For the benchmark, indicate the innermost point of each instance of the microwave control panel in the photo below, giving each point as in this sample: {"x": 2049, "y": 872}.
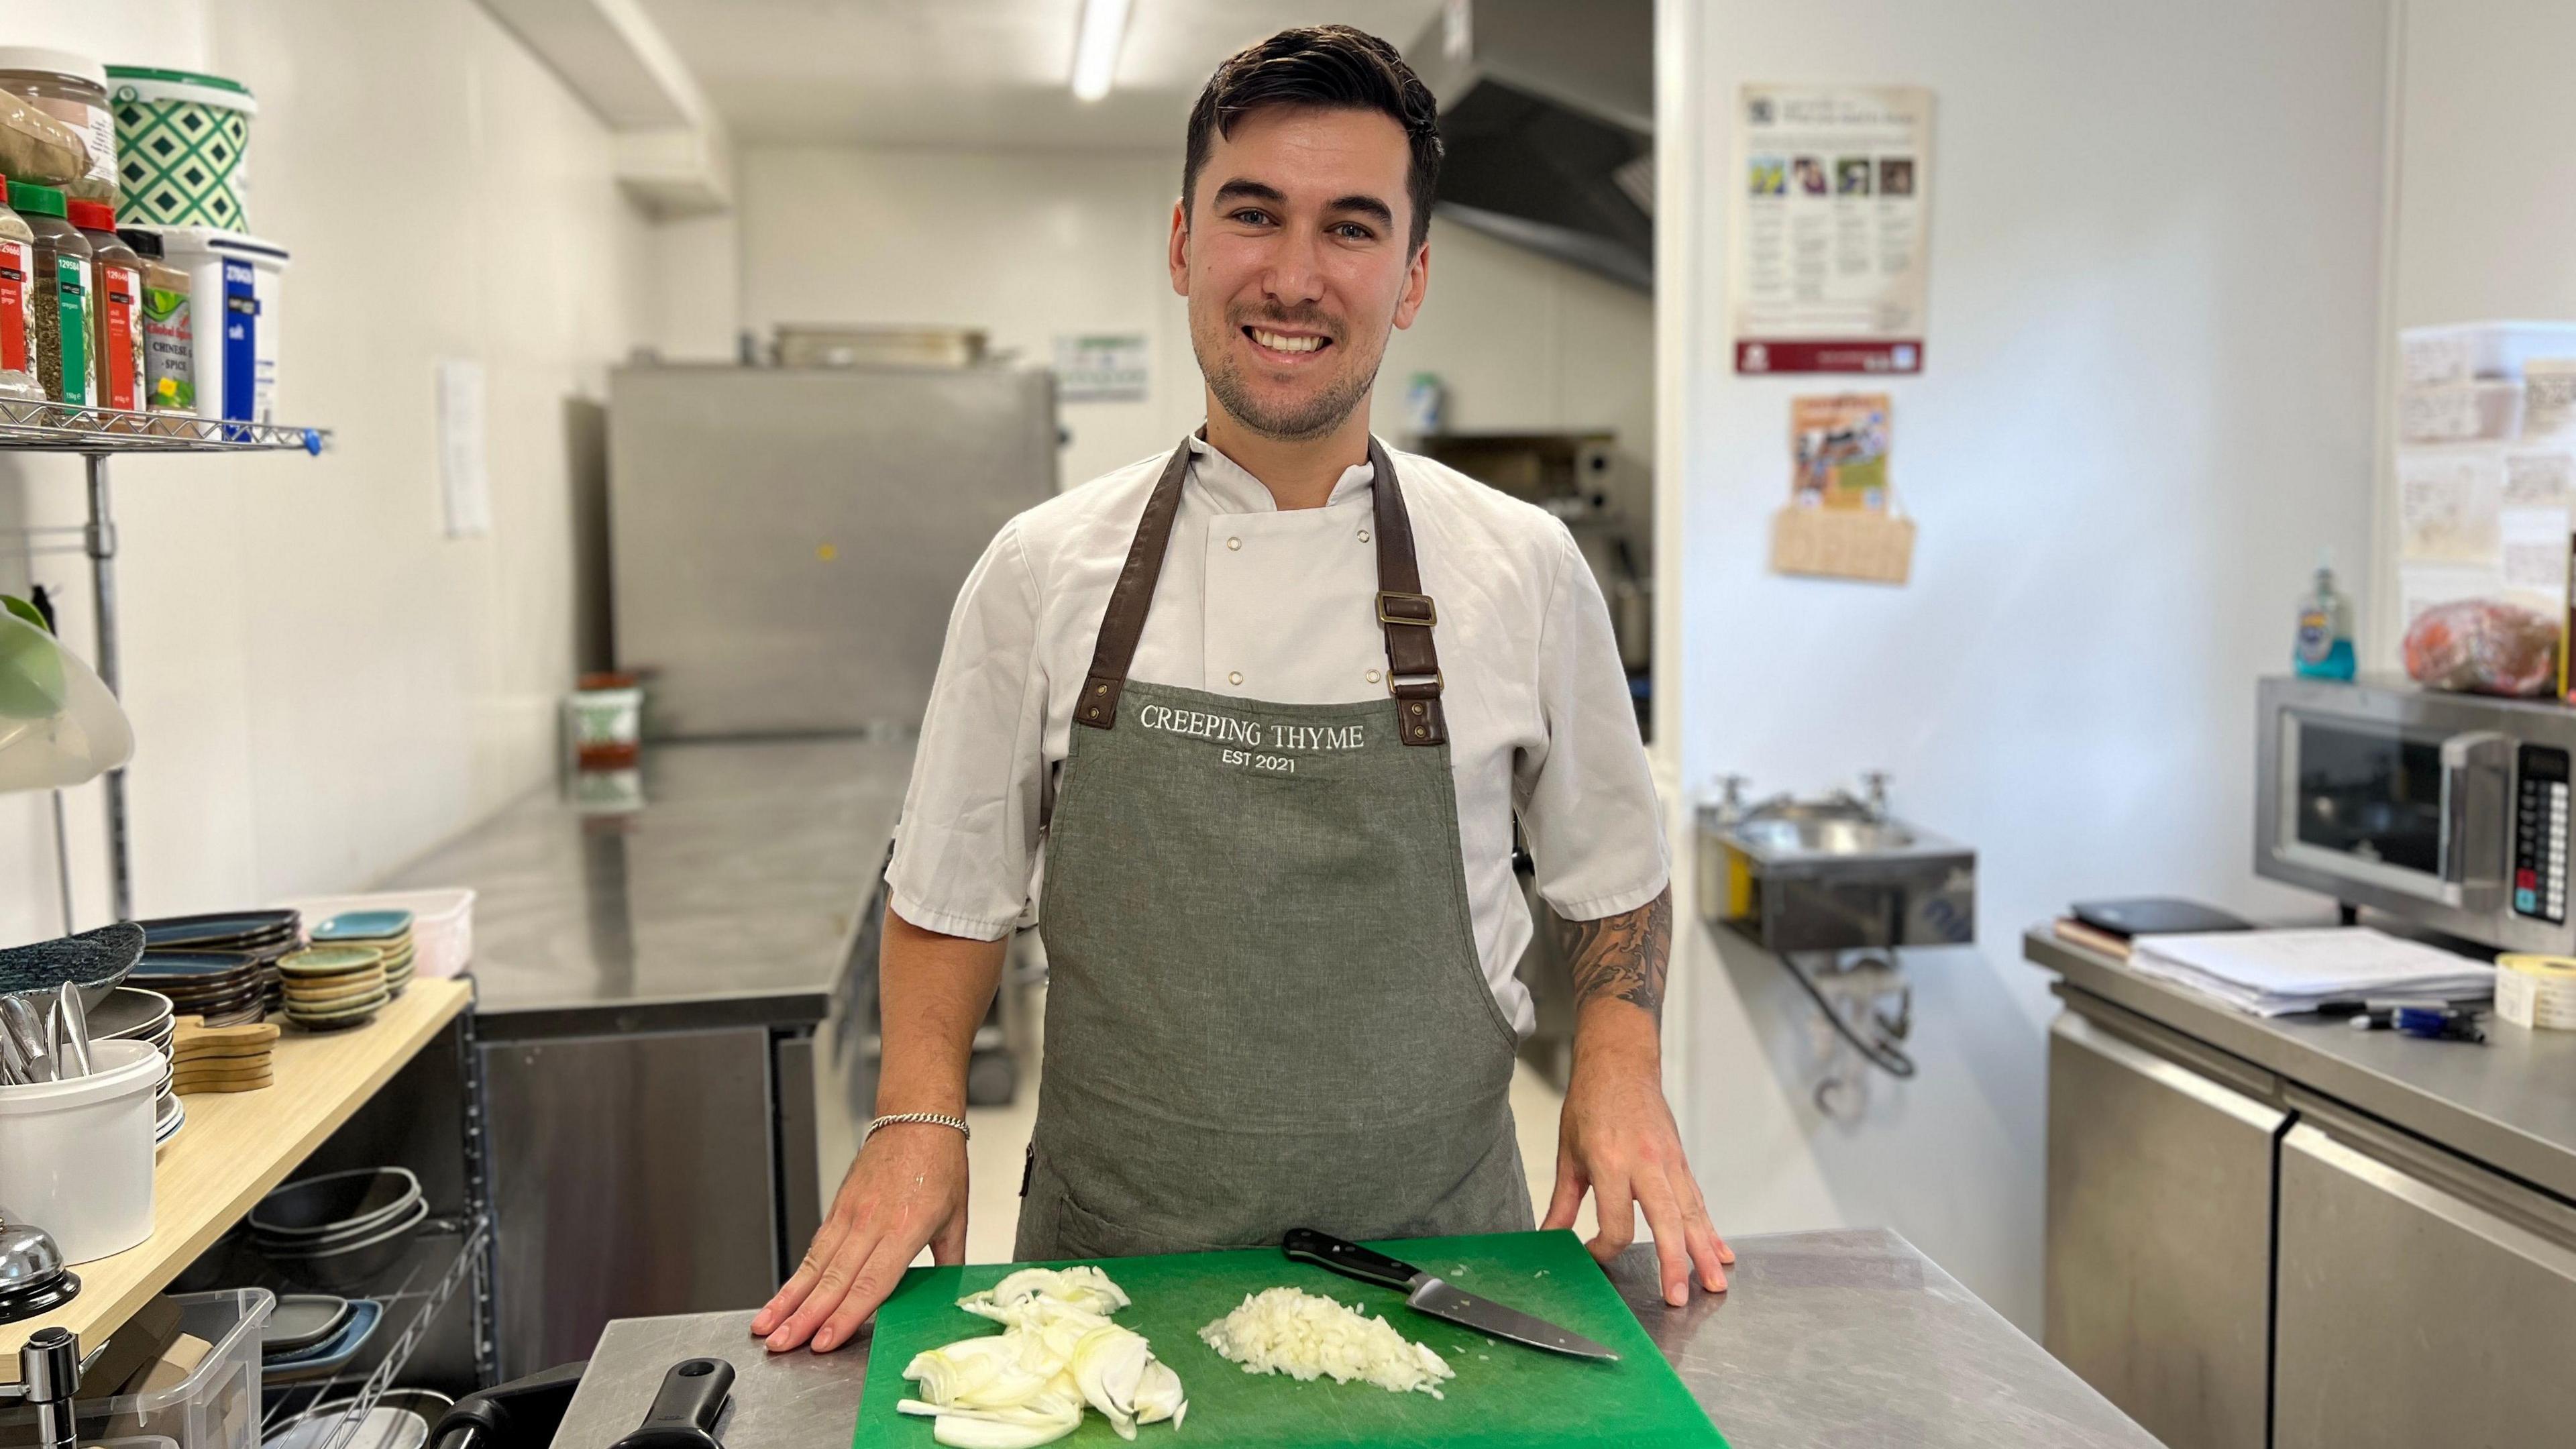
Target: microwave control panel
{"x": 2540, "y": 834}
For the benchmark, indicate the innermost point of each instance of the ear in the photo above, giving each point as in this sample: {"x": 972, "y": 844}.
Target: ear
{"x": 1417, "y": 284}
{"x": 1179, "y": 249}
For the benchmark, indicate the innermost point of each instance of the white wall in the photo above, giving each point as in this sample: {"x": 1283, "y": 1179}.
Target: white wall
{"x": 1032, "y": 244}
{"x": 2149, "y": 401}
{"x": 322, "y": 685}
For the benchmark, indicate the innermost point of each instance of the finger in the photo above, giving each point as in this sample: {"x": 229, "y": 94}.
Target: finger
{"x": 1672, "y": 1249}
{"x": 1707, "y": 1253}
{"x": 800, "y": 1283}
{"x": 1568, "y": 1201}
{"x": 1613, "y": 1203}
{"x": 884, "y": 1269}
{"x": 830, "y": 1287}
{"x": 1699, "y": 1212}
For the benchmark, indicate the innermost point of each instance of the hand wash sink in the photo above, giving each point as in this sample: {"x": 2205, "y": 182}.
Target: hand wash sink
{"x": 1836, "y": 874}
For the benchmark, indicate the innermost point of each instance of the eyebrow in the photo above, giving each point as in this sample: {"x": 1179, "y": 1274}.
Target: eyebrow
{"x": 1244, "y": 189}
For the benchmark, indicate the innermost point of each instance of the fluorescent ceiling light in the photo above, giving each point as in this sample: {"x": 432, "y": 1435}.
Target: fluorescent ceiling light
{"x": 1095, "y": 47}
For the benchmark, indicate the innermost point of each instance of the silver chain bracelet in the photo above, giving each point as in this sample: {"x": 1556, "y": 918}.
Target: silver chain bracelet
{"x": 941, "y": 1119}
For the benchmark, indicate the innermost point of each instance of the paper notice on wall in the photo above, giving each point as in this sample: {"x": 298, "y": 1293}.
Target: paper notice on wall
{"x": 2539, "y": 478}
{"x": 1838, "y": 451}
{"x": 2535, "y": 555}
{"x": 2421, "y": 586}
{"x": 2548, "y": 396}
{"x": 1827, "y": 264}
{"x": 2448, "y": 500}
{"x": 1101, "y": 367}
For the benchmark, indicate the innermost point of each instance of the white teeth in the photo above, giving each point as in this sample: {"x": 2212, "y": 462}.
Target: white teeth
{"x": 1279, "y": 343}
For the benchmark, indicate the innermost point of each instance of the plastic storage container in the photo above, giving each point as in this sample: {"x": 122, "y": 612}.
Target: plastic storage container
{"x": 235, "y": 281}
{"x": 181, "y": 146}
{"x": 76, "y": 1156}
{"x": 116, "y": 307}
{"x": 71, "y": 88}
{"x": 17, "y": 306}
{"x": 2467, "y": 351}
{"x": 442, "y": 923}
{"x": 215, "y": 1407}
{"x": 58, "y": 326}
{"x": 2461, "y": 412}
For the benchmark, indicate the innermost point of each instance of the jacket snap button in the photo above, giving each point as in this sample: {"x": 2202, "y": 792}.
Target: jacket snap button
{"x": 1417, "y": 709}
{"x": 1372, "y": 676}
{"x": 1104, "y": 689}
{"x": 1421, "y": 732}
{"x": 1235, "y": 678}
{"x": 1234, "y": 543}
{"x": 1363, "y": 535}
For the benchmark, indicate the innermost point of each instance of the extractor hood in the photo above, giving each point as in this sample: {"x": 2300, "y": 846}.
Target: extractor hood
{"x": 1547, "y": 110}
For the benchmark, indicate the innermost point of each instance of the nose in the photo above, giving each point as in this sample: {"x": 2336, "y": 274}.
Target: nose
{"x": 1295, "y": 276}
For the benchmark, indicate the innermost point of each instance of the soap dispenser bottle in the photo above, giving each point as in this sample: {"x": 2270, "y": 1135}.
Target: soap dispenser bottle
{"x": 2324, "y": 647}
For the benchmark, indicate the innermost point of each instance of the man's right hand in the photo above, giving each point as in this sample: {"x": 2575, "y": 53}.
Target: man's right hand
{"x": 907, "y": 1189}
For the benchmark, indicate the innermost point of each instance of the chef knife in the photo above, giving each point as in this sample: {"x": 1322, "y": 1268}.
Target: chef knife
{"x": 1426, "y": 1294}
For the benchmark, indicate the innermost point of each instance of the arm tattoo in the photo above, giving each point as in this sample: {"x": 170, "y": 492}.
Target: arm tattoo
{"x": 1623, "y": 956}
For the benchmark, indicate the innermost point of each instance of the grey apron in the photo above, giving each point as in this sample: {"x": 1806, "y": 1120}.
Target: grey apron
{"x": 1265, "y": 1008}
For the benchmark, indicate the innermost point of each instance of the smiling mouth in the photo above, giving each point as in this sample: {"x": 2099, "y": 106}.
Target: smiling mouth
{"x": 1291, "y": 344}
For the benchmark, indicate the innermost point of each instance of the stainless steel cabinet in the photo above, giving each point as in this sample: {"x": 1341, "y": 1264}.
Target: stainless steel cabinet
{"x": 2423, "y": 1300}
{"x": 2159, "y": 1234}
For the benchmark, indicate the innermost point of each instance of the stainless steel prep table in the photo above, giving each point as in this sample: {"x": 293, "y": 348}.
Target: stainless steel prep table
{"x": 2282, "y": 1233}
{"x": 658, "y": 998}
{"x": 1845, "y": 1338}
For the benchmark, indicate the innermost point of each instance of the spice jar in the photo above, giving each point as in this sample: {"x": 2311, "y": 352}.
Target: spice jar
{"x": 17, "y": 271}
{"x": 169, "y": 334}
{"x": 116, "y": 307}
{"x": 58, "y": 323}
{"x": 71, "y": 88}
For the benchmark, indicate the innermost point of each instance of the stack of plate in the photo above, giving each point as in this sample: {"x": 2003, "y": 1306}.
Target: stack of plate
{"x": 329, "y": 987}
{"x": 131, "y": 1013}
{"x": 386, "y": 931}
{"x": 340, "y": 1230}
{"x": 266, "y": 934}
{"x": 227, "y": 988}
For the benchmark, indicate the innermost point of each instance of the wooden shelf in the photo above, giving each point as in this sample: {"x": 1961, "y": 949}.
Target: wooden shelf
{"x": 236, "y": 1147}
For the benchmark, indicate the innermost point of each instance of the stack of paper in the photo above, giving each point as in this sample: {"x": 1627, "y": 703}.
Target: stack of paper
{"x": 2277, "y": 973}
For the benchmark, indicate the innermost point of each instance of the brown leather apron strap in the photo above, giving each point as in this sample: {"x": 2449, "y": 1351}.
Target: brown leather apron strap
{"x": 1124, "y": 622}
{"x": 1403, "y": 610}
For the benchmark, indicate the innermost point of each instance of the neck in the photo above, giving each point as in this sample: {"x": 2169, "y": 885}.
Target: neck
{"x": 1299, "y": 473}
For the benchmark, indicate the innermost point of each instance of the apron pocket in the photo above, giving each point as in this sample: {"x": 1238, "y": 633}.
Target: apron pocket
{"x": 1055, "y": 1225}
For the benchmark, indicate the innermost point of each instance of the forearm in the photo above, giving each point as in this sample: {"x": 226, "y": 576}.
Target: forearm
{"x": 931, "y": 994}
{"x": 1618, "y": 964}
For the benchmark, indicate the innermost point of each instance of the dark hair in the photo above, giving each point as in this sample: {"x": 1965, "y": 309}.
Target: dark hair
{"x": 1322, "y": 65}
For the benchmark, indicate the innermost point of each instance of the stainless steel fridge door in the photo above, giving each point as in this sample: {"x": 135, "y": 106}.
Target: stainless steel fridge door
{"x": 2423, "y": 1299}
{"x": 786, "y": 544}
{"x": 2159, "y": 1233}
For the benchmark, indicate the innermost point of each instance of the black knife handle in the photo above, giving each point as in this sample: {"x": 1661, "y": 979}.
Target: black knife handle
{"x": 693, "y": 1395}
{"x": 1305, "y": 1245}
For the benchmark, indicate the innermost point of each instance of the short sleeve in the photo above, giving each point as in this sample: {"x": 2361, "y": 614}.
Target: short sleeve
{"x": 1586, "y": 795}
{"x": 966, "y": 847}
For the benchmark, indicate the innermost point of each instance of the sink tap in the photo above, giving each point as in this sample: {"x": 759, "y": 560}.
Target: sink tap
{"x": 1875, "y": 782}
{"x": 49, "y": 1365}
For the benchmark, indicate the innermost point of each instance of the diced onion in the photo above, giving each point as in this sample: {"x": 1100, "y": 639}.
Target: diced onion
{"x": 1293, "y": 1332}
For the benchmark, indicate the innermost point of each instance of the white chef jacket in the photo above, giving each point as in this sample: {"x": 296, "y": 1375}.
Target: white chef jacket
{"x": 1280, "y": 606}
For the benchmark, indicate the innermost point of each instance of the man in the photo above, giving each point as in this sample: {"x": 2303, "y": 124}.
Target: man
{"x": 1271, "y": 705}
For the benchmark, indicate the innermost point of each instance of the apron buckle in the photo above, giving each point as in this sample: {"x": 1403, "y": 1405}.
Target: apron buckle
{"x": 1397, "y": 607}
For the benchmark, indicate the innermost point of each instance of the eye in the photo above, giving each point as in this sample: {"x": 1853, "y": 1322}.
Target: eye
{"x": 1251, "y": 216}
{"x": 1353, "y": 231}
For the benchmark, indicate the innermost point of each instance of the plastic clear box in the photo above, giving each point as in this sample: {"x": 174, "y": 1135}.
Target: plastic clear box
{"x": 215, "y": 1407}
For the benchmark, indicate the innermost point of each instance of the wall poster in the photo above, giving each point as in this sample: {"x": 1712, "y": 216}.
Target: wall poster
{"x": 1827, "y": 264}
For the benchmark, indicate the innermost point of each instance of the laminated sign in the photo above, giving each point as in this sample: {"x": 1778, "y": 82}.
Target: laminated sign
{"x": 1826, "y": 259}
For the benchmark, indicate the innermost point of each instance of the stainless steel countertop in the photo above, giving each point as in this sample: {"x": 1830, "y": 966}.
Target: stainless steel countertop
{"x": 731, "y": 898}
{"x": 2508, "y": 1104}
{"x": 1845, "y": 1338}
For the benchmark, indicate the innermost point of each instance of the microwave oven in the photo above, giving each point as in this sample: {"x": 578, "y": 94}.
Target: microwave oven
{"x": 2447, "y": 809}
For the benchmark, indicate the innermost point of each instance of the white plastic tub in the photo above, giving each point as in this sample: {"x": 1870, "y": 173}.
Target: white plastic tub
{"x": 442, "y": 923}
{"x": 235, "y": 288}
{"x": 215, "y": 1407}
{"x": 76, "y": 1156}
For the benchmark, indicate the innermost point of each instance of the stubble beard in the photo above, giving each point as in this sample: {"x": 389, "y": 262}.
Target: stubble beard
{"x": 1298, "y": 422}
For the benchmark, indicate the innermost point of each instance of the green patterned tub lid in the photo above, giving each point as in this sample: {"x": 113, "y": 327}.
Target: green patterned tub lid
{"x": 180, "y": 137}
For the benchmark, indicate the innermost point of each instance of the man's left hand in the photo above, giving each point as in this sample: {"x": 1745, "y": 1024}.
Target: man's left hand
{"x": 1617, "y": 1139}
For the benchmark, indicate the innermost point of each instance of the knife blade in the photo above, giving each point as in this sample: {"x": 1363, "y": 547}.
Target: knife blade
{"x": 1426, "y": 1294}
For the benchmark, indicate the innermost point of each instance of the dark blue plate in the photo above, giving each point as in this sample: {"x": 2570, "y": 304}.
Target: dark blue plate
{"x": 94, "y": 961}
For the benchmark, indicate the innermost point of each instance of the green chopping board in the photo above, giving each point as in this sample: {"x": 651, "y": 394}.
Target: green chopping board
{"x": 1504, "y": 1397}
